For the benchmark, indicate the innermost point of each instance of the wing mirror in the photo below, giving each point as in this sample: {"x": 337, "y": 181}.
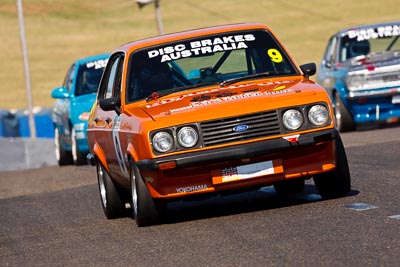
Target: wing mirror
{"x": 308, "y": 69}
{"x": 113, "y": 103}
{"x": 327, "y": 64}
{"x": 60, "y": 92}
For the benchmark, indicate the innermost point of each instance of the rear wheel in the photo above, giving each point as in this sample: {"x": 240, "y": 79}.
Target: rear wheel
{"x": 146, "y": 210}
{"x": 344, "y": 120}
{"x": 289, "y": 187}
{"x": 111, "y": 199}
{"x": 78, "y": 157}
{"x": 335, "y": 183}
{"x": 63, "y": 157}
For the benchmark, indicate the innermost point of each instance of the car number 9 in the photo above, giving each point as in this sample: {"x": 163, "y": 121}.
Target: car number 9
{"x": 275, "y": 55}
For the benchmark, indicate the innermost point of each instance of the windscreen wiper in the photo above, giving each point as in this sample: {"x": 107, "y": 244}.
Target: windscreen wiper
{"x": 243, "y": 78}
{"x": 159, "y": 94}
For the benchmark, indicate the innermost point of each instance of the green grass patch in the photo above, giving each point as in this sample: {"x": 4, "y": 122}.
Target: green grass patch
{"x": 60, "y": 31}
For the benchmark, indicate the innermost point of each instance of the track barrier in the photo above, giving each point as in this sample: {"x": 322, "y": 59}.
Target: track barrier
{"x": 15, "y": 123}
{"x": 17, "y": 150}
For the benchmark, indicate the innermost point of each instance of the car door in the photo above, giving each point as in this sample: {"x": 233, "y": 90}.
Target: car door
{"x": 327, "y": 67}
{"x": 107, "y": 121}
{"x": 64, "y": 106}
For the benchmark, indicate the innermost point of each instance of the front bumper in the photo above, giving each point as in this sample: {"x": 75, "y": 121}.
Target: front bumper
{"x": 374, "y": 93}
{"x": 80, "y": 129}
{"x": 237, "y": 152}
{"x": 378, "y": 107}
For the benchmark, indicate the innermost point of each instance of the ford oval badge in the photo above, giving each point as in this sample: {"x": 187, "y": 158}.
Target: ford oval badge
{"x": 240, "y": 128}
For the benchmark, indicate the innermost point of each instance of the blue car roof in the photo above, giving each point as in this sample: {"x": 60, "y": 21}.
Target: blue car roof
{"x": 92, "y": 58}
{"x": 368, "y": 26}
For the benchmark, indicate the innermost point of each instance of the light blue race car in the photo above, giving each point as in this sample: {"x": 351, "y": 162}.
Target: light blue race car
{"x": 74, "y": 99}
{"x": 360, "y": 70}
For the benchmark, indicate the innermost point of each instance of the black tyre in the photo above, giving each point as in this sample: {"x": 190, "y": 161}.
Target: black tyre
{"x": 111, "y": 199}
{"x": 63, "y": 157}
{"x": 78, "y": 157}
{"x": 344, "y": 120}
{"x": 146, "y": 210}
{"x": 289, "y": 187}
{"x": 335, "y": 183}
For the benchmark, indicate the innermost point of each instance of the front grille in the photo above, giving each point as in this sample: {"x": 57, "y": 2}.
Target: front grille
{"x": 221, "y": 131}
{"x": 392, "y": 76}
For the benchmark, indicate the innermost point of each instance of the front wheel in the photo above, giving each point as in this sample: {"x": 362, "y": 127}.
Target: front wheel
{"x": 335, "y": 183}
{"x": 63, "y": 157}
{"x": 77, "y": 156}
{"x": 344, "y": 120}
{"x": 111, "y": 198}
{"x": 146, "y": 210}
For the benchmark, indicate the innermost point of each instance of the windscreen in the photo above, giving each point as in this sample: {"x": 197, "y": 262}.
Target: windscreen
{"x": 368, "y": 41}
{"x": 190, "y": 63}
{"x": 89, "y": 76}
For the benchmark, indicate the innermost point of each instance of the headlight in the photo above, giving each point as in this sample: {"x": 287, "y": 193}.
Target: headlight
{"x": 292, "y": 119}
{"x": 187, "y": 137}
{"x": 318, "y": 115}
{"x": 355, "y": 82}
{"x": 84, "y": 116}
{"x": 162, "y": 141}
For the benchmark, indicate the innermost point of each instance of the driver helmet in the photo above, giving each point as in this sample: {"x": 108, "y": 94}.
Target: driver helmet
{"x": 90, "y": 80}
{"x": 155, "y": 77}
{"x": 359, "y": 48}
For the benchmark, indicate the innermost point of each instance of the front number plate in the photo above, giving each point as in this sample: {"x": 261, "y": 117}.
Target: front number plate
{"x": 396, "y": 99}
{"x": 247, "y": 171}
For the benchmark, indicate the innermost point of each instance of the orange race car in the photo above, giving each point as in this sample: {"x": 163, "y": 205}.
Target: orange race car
{"x": 211, "y": 110}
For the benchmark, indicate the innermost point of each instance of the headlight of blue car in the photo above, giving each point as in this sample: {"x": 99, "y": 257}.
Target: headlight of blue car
{"x": 355, "y": 81}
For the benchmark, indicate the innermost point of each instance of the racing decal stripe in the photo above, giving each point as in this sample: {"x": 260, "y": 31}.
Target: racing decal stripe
{"x": 117, "y": 146}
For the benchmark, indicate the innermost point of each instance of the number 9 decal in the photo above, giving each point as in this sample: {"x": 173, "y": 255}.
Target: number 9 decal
{"x": 275, "y": 55}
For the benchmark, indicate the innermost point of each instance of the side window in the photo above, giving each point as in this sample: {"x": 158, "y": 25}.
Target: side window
{"x": 330, "y": 55}
{"x": 111, "y": 83}
{"x": 118, "y": 78}
{"x": 69, "y": 77}
{"x": 111, "y": 79}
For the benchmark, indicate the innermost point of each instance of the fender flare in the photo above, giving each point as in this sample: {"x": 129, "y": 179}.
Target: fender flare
{"x": 131, "y": 153}
{"x": 100, "y": 156}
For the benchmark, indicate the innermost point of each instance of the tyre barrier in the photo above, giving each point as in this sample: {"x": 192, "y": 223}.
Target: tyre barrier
{"x": 17, "y": 150}
{"x": 15, "y": 123}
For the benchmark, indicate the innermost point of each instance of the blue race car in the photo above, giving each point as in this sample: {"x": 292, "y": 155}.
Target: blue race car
{"x": 74, "y": 99}
{"x": 361, "y": 72}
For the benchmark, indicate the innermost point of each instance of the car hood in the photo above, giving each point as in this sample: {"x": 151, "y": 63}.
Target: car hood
{"x": 82, "y": 103}
{"x": 373, "y": 61}
{"x": 219, "y": 102}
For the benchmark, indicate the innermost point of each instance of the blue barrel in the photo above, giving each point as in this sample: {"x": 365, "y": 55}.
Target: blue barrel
{"x": 43, "y": 123}
{"x": 9, "y": 125}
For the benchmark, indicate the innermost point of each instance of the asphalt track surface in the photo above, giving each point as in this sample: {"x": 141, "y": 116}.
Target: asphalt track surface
{"x": 53, "y": 217}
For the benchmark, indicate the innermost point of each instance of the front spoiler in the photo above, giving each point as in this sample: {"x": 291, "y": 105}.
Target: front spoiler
{"x": 373, "y": 93}
{"x": 238, "y": 152}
